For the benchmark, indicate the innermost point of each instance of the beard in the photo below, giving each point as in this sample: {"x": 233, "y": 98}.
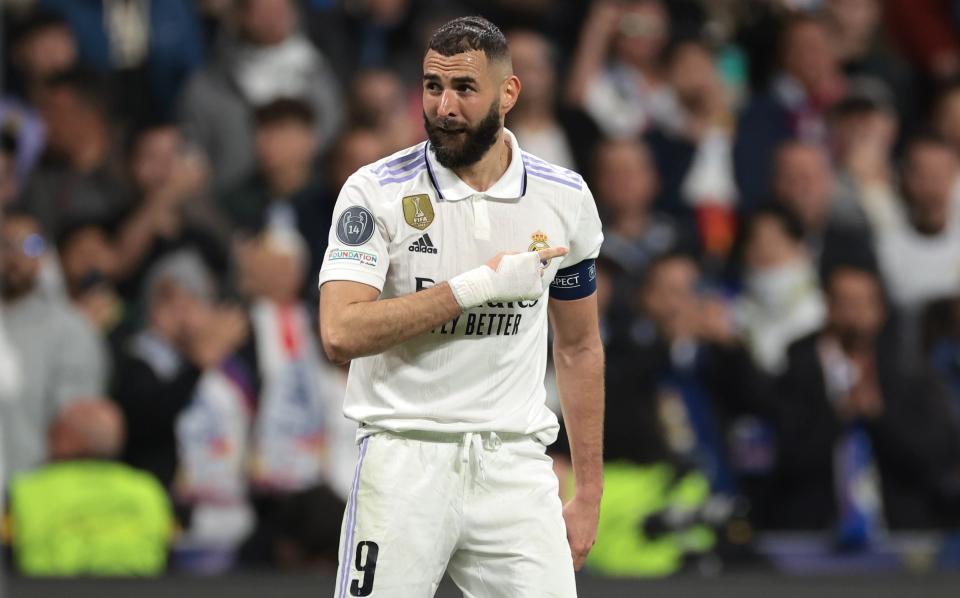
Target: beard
{"x": 450, "y": 152}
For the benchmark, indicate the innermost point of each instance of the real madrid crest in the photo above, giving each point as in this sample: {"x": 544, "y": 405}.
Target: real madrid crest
{"x": 539, "y": 241}
{"x": 418, "y": 211}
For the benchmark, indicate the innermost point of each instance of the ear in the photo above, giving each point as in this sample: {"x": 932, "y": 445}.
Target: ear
{"x": 509, "y": 92}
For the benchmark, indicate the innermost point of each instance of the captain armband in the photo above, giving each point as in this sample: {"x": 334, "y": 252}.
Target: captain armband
{"x": 575, "y": 282}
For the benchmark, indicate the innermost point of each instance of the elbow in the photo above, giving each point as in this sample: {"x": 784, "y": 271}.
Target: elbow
{"x": 585, "y": 352}
{"x": 336, "y": 345}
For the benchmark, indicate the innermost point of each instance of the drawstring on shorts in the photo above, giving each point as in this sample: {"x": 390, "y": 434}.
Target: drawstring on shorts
{"x": 474, "y": 442}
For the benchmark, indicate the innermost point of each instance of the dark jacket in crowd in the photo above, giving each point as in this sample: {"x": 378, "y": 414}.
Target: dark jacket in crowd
{"x": 914, "y": 442}
{"x": 153, "y": 386}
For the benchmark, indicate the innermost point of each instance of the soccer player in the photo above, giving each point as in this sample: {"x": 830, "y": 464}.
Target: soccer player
{"x": 444, "y": 261}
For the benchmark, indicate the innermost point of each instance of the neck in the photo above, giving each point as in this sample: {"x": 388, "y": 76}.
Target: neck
{"x": 631, "y": 224}
{"x": 90, "y": 153}
{"x": 482, "y": 174}
{"x": 288, "y": 180}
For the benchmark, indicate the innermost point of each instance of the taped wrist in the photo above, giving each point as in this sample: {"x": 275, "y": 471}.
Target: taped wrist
{"x": 518, "y": 276}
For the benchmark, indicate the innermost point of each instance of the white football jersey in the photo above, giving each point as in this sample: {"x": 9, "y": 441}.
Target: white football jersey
{"x": 406, "y": 223}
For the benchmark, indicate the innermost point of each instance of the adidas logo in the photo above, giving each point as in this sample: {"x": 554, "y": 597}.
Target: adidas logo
{"x": 423, "y": 245}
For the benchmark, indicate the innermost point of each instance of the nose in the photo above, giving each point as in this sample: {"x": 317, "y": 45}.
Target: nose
{"x": 448, "y": 103}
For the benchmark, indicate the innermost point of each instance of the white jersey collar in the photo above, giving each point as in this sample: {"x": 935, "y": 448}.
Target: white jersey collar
{"x": 449, "y": 187}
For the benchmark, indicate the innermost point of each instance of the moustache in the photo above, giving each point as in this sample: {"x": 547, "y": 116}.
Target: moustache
{"x": 450, "y": 125}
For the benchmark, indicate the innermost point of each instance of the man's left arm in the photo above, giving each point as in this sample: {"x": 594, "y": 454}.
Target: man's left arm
{"x": 578, "y": 359}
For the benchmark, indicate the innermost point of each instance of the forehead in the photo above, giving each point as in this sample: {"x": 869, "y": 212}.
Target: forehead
{"x": 472, "y": 64}
{"x": 922, "y": 151}
{"x": 19, "y": 225}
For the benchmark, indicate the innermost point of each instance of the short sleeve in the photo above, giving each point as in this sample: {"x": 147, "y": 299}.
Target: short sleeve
{"x": 587, "y": 234}
{"x": 358, "y": 245}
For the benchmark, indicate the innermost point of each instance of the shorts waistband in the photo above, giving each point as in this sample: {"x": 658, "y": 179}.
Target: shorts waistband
{"x": 455, "y": 437}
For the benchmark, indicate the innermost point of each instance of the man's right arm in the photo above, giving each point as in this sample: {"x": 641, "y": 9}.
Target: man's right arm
{"x": 353, "y": 323}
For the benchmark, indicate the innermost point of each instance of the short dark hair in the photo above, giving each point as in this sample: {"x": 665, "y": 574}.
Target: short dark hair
{"x": 794, "y": 21}
{"x": 924, "y": 136}
{"x": 790, "y": 223}
{"x": 830, "y": 273}
{"x": 668, "y": 257}
{"x": 34, "y": 22}
{"x": 283, "y": 110}
{"x": 465, "y": 34}
{"x": 88, "y": 85}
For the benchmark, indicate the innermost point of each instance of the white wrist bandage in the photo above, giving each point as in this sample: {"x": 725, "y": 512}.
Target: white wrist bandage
{"x": 518, "y": 277}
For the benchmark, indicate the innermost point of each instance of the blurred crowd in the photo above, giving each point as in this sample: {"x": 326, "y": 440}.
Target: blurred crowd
{"x": 779, "y": 285}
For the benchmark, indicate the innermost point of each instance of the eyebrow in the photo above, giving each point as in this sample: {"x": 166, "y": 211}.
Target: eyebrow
{"x": 455, "y": 80}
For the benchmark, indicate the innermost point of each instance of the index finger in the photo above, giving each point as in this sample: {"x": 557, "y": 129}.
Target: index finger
{"x": 551, "y": 252}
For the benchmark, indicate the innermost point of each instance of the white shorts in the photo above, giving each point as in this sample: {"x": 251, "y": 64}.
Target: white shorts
{"x": 481, "y": 507}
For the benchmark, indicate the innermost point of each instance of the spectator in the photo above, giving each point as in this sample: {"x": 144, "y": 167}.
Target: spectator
{"x": 545, "y": 128}
{"x": 287, "y": 190}
{"x": 686, "y": 374}
{"x": 693, "y": 149}
{"x": 781, "y": 300}
{"x": 292, "y": 411}
{"x": 379, "y": 101}
{"x": 859, "y": 39}
{"x": 268, "y": 59}
{"x": 920, "y": 257}
{"x": 380, "y": 35}
{"x": 81, "y": 175}
{"x": 354, "y": 149}
{"x": 626, "y": 184}
{"x": 42, "y": 46}
{"x": 623, "y": 93}
{"x": 803, "y": 182}
{"x": 170, "y": 207}
{"x": 297, "y": 422}
{"x": 848, "y": 403}
{"x": 863, "y": 129}
{"x": 148, "y": 50}
{"x": 794, "y": 107}
{"x": 926, "y": 35}
{"x": 89, "y": 261}
{"x": 159, "y": 372}
{"x": 107, "y": 518}
{"x": 286, "y": 180}
{"x": 52, "y": 373}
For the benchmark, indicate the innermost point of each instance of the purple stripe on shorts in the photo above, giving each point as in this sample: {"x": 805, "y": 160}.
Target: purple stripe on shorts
{"x": 347, "y": 548}
{"x": 564, "y": 182}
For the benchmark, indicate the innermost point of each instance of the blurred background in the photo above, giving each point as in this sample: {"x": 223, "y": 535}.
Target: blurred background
{"x": 779, "y": 286}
